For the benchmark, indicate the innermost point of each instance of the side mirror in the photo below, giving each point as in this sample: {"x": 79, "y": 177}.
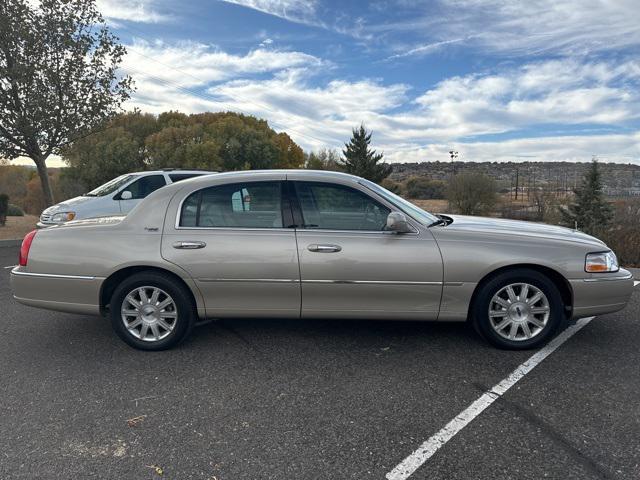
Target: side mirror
{"x": 126, "y": 195}
{"x": 397, "y": 222}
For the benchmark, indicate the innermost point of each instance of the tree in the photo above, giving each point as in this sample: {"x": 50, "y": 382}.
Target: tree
{"x": 360, "y": 160}
{"x": 58, "y": 79}
{"x": 472, "y": 194}
{"x": 4, "y": 208}
{"x": 210, "y": 141}
{"x": 589, "y": 211}
{"x": 324, "y": 159}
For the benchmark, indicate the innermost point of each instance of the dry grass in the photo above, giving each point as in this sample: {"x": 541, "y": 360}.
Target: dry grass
{"x": 432, "y": 206}
{"x": 18, "y": 227}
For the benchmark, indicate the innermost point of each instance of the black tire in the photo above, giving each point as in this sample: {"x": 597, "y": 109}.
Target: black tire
{"x": 184, "y": 309}
{"x": 480, "y": 309}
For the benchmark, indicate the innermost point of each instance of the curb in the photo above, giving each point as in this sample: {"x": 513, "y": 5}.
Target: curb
{"x": 10, "y": 243}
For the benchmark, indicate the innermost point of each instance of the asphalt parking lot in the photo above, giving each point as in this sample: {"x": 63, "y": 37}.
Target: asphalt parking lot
{"x": 283, "y": 399}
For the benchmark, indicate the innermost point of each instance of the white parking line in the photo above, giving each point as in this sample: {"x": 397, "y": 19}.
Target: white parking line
{"x": 410, "y": 464}
{"x": 10, "y": 266}
{"x": 635, "y": 283}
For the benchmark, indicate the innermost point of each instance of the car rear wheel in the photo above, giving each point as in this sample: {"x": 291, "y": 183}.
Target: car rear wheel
{"x": 518, "y": 309}
{"x": 151, "y": 311}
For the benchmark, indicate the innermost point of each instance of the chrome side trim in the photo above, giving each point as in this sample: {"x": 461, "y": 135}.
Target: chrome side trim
{"x": 15, "y": 271}
{"x": 371, "y": 282}
{"x": 343, "y": 282}
{"x": 608, "y": 279}
{"x": 252, "y": 280}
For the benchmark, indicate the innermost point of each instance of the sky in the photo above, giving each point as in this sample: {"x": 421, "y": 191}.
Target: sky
{"x": 495, "y": 80}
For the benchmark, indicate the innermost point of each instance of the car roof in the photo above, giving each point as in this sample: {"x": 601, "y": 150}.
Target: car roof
{"x": 173, "y": 170}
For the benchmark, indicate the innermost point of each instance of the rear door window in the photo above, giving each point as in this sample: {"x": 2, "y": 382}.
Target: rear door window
{"x": 238, "y": 205}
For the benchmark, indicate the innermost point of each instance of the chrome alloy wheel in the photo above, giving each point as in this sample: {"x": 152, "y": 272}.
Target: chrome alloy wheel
{"x": 149, "y": 313}
{"x": 519, "y": 311}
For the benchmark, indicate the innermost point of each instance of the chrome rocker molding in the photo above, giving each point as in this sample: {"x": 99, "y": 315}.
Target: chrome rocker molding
{"x": 15, "y": 271}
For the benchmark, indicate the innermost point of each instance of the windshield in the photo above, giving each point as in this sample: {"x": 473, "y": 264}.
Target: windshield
{"x": 109, "y": 187}
{"x": 414, "y": 211}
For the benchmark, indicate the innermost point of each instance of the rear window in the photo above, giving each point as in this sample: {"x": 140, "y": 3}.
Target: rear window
{"x": 176, "y": 177}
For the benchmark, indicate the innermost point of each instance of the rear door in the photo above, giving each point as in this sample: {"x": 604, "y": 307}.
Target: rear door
{"x": 350, "y": 267}
{"x": 233, "y": 240}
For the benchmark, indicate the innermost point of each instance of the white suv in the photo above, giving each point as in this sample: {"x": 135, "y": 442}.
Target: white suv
{"x": 116, "y": 197}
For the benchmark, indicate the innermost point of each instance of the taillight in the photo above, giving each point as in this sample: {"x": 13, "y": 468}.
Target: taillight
{"x": 24, "y": 248}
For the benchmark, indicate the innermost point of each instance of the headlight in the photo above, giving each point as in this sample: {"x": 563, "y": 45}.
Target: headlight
{"x": 63, "y": 217}
{"x": 601, "y": 262}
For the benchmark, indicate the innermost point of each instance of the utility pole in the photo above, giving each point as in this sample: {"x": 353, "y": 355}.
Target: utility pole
{"x": 454, "y": 155}
{"x": 517, "y": 180}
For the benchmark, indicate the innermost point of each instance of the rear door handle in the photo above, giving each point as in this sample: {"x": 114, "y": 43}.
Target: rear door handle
{"x": 189, "y": 245}
{"x": 324, "y": 248}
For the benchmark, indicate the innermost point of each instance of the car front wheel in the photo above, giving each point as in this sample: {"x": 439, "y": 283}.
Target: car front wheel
{"x": 518, "y": 309}
{"x": 151, "y": 311}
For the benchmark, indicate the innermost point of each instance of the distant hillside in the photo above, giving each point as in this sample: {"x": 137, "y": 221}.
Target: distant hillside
{"x": 619, "y": 179}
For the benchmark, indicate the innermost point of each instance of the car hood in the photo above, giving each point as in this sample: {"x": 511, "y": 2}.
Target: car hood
{"x": 519, "y": 228}
{"x": 67, "y": 205}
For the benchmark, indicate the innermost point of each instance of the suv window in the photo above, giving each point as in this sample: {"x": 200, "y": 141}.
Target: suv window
{"x": 176, "y": 177}
{"x": 238, "y": 205}
{"x": 146, "y": 185}
{"x": 337, "y": 207}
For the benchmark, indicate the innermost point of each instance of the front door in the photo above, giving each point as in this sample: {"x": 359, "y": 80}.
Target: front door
{"x": 232, "y": 241}
{"x": 140, "y": 189}
{"x": 351, "y": 268}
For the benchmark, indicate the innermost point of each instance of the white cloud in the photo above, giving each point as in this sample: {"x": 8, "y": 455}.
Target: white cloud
{"x": 519, "y": 27}
{"x": 551, "y": 92}
{"x": 620, "y": 148}
{"x": 141, "y": 11}
{"x": 281, "y": 87}
{"x": 298, "y": 11}
{"x": 193, "y": 64}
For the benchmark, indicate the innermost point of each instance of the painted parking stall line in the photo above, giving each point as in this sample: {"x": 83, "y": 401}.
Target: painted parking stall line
{"x": 636, "y": 283}
{"x": 425, "y": 451}
{"x": 10, "y": 266}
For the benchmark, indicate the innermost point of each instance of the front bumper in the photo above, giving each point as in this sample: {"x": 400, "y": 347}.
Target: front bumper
{"x": 64, "y": 293}
{"x": 604, "y": 293}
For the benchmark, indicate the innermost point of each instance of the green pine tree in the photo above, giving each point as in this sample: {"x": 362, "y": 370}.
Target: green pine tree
{"x": 589, "y": 211}
{"x": 361, "y": 160}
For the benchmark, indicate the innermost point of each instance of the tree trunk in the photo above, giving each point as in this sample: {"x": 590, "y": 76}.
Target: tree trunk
{"x": 44, "y": 180}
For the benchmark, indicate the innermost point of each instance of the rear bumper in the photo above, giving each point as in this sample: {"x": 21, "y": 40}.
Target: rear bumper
{"x": 606, "y": 293}
{"x": 64, "y": 293}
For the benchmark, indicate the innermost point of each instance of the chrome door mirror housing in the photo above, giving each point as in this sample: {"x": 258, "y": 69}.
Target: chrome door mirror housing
{"x": 397, "y": 222}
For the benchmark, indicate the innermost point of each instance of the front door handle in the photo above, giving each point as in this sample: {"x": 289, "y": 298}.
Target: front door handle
{"x": 324, "y": 248}
{"x": 189, "y": 245}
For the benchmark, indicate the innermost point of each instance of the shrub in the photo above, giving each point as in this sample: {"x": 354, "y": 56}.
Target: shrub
{"x": 14, "y": 211}
{"x": 4, "y": 207}
{"x": 624, "y": 235}
{"x": 472, "y": 194}
{"x": 424, "y": 188}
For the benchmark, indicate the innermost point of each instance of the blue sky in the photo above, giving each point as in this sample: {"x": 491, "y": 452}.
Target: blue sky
{"x": 493, "y": 79}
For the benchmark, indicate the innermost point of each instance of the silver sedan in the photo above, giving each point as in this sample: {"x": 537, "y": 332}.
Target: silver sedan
{"x": 306, "y": 244}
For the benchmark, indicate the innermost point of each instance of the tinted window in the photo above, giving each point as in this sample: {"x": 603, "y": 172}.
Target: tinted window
{"x": 176, "y": 177}
{"x": 240, "y": 205}
{"x": 146, "y": 185}
{"x": 336, "y": 207}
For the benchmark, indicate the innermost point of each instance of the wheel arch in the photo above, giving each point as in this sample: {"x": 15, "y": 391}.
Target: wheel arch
{"x": 561, "y": 283}
{"x": 112, "y": 281}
